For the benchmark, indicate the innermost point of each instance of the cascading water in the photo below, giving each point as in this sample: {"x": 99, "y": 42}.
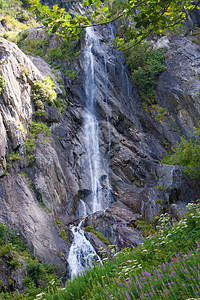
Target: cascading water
{"x": 81, "y": 254}
{"x": 81, "y": 251}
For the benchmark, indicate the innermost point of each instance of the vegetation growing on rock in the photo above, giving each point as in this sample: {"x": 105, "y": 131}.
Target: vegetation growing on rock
{"x": 2, "y": 83}
{"x": 99, "y": 235}
{"x": 43, "y": 91}
{"x": 146, "y": 64}
{"x": 22, "y": 266}
{"x": 187, "y": 154}
{"x": 30, "y": 141}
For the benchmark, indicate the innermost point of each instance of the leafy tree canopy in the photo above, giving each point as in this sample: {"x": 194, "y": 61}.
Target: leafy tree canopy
{"x": 147, "y": 17}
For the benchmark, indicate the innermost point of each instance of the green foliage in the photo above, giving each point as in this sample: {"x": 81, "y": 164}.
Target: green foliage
{"x": 40, "y": 278}
{"x": 147, "y": 229}
{"x": 44, "y": 91}
{"x": 146, "y": 65}
{"x": 66, "y": 72}
{"x": 14, "y": 156}
{"x": 63, "y": 235}
{"x": 40, "y": 114}
{"x": 2, "y": 83}
{"x": 187, "y": 154}
{"x": 167, "y": 260}
{"x": 34, "y": 270}
{"x": 39, "y": 127}
{"x": 10, "y": 7}
{"x": 11, "y": 237}
{"x": 66, "y": 51}
{"x": 23, "y": 17}
{"x": 98, "y": 234}
{"x": 156, "y": 218}
{"x": 30, "y": 142}
{"x": 147, "y": 17}
{"x": 15, "y": 37}
{"x": 159, "y": 201}
{"x": 37, "y": 47}
{"x": 161, "y": 113}
{"x": 30, "y": 148}
{"x": 160, "y": 187}
{"x": 5, "y": 250}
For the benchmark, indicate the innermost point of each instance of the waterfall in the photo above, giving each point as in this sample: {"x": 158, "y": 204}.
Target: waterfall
{"x": 91, "y": 128}
{"x": 81, "y": 251}
{"x": 81, "y": 254}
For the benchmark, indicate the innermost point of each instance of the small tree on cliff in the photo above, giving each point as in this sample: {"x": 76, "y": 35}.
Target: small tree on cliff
{"x": 147, "y": 17}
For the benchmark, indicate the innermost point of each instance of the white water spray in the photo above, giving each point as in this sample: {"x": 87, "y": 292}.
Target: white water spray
{"x": 82, "y": 254}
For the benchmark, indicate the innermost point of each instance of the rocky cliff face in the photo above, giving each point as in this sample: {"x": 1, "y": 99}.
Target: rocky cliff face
{"x": 129, "y": 136}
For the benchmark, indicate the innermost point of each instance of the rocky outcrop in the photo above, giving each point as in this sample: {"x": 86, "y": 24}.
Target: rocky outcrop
{"x": 18, "y": 203}
{"x": 11, "y": 275}
{"x": 117, "y": 224}
{"x": 178, "y": 88}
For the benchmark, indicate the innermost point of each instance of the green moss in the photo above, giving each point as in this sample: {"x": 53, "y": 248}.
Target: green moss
{"x": 156, "y": 218}
{"x": 160, "y": 187}
{"x": 28, "y": 179}
{"x": 63, "y": 235}
{"x": 2, "y": 83}
{"x": 14, "y": 156}
{"x": 39, "y": 127}
{"x": 98, "y": 234}
{"x": 59, "y": 223}
{"x": 30, "y": 142}
{"x": 159, "y": 201}
{"x": 196, "y": 41}
{"x": 5, "y": 250}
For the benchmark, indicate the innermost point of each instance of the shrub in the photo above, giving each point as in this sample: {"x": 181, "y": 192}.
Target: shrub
{"x": 3, "y": 234}
{"x": 66, "y": 51}
{"x": 146, "y": 65}
{"x": 40, "y": 114}
{"x": 187, "y": 154}
{"x": 63, "y": 235}
{"x": 36, "y": 47}
{"x": 39, "y": 127}
{"x": 22, "y": 17}
{"x": 34, "y": 270}
{"x": 147, "y": 229}
{"x": 44, "y": 91}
